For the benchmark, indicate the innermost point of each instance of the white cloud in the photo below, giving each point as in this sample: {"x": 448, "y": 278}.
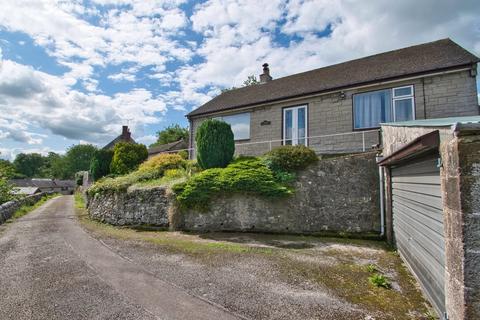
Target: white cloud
{"x": 240, "y": 35}
{"x": 233, "y": 39}
{"x": 146, "y": 140}
{"x": 33, "y": 98}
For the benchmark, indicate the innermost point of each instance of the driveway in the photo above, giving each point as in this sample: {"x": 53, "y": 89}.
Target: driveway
{"x": 58, "y": 264}
{"x": 50, "y": 268}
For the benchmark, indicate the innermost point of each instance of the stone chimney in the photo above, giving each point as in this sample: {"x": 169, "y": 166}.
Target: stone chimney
{"x": 126, "y": 135}
{"x": 265, "y": 76}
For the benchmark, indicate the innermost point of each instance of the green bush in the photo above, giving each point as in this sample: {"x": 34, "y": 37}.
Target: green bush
{"x": 100, "y": 165}
{"x": 79, "y": 178}
{"x": 290, "y": 158}
{"x": 151, "y": 169}
{"x": 215, "y": 144}
{"x": 127, "y": 157}
{"x": 5, "y": 191}
{"x": 246, "y": 175}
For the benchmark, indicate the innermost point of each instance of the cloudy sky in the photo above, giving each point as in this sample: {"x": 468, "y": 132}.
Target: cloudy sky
{"x": 75, "y": 71}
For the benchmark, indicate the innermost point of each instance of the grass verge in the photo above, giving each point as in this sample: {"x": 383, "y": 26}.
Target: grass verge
{"x": 170, "y": 241}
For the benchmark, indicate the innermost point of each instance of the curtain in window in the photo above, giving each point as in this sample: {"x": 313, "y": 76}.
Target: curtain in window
{"x": 372, "y": 108}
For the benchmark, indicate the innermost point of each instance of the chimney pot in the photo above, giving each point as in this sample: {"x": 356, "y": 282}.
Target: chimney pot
{"x": 125, "y": 133}
{"x": 265, "y": 76}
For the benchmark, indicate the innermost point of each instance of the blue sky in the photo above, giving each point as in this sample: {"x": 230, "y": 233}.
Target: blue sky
{"x": 76, "y": 71}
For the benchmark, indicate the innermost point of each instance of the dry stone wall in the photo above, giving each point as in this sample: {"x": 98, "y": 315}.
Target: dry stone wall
{"x": 136, "y": 206}
{"x": 334, "y": 195}
{"x": 7, "y": 209}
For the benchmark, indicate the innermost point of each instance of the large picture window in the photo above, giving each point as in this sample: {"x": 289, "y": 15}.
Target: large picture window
{"x": 240, "y": 124}
{"x": 390, "y": 105}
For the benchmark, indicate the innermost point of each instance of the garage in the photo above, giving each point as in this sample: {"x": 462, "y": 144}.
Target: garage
{"x": 430, "y": 173}
{"x": 418, "y": 223}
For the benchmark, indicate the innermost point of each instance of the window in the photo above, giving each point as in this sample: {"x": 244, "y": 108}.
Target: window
{"x": 295, "y": 125}
{"x": 240, "y": 124}
{"x": 390, "y": 105}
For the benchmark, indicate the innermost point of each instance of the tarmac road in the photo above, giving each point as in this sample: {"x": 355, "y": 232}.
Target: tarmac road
{"x": 50, "y": 268}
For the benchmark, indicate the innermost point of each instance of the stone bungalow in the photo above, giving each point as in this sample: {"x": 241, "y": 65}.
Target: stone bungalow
{"x": 339, "y": 108}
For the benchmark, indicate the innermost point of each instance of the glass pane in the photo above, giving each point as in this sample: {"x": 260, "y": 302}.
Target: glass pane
{"x": 403, "y": 109}
{"x": 372, "y": 108}
{"x": 407, "y": 91}
{"x": 288, "y": 126}
{"x": 240, "y": 124}
{"x": 301, "y": 126}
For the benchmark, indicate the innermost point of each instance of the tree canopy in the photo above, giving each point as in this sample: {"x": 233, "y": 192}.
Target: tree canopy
{"x": 29, "y": 164}
{"x": 79, "y": 157}
{"x": 170, "y": 134}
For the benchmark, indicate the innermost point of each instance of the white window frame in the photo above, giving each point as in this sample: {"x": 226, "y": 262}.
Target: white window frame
{"x": 394, "y": 99}
{"x": 236, "y": 114}
{"x": 295, "y": 124}
{"x": 410, "y": 96}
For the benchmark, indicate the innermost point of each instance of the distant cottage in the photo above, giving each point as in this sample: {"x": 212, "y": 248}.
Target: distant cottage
{"x": 126, "y": 136}
{"x": 168, "y": 148}
{"x": 31, "y": 186}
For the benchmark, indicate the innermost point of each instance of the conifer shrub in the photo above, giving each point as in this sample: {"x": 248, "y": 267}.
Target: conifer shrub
{"x": 215, "y": 144}
{"x": 244, "y": 175}
{"x": 127, "y": 157}
{"x": 100, "y": 164}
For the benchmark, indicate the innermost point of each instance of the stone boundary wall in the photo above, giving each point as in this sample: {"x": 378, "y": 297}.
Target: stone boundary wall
{"x": 137, "y": 206}
{"x": 335, "y": 195}
{"x": 7, "y": 209}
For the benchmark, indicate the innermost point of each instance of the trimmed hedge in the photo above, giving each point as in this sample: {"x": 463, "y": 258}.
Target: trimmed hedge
{"x": 215, "y": 144}
{"x": 245, "y": 175}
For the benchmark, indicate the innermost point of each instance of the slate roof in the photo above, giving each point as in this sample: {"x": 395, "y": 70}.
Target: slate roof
{"x": 118, "y": 139}
{"x": 25, "y": 190}
{"x": 439, "y": 122}
{"x": 42, "y": 183}
{"x": 177, "y": 145}
{"x": 416, "y": 60}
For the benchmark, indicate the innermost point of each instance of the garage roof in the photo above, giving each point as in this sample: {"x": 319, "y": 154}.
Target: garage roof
{"x": 440, "y": 122}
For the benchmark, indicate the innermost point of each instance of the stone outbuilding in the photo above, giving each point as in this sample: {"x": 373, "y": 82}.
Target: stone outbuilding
{"x": 432, "y": 208}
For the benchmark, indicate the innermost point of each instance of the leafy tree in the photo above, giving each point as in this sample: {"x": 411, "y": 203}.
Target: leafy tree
{"x": 251, "y": 80}
{"x": 100, "y": 165}
{"x": 127, "y": 157}
{"x": 58, "y": 168}
{"x": 78, "y": 158}
{"x": 29, "y": 164}
{"x": 7, "y": 169}
{"x": 215, "y": 144}
{"x": 170, "y": 134}
{"x": 5, "y": 190}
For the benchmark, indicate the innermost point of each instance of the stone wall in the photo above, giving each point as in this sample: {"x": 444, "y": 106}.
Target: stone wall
{"x": 461, "y": 201}
{"x": 7, "y": 209}
{"x": 335, "y": 195}
{"x": 137, "y": 206}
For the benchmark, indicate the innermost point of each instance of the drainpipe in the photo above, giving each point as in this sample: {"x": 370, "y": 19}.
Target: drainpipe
{"x": 382, "y": 205}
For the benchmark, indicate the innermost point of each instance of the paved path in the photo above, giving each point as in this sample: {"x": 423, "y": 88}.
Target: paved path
{"x": 51, "y": 269}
